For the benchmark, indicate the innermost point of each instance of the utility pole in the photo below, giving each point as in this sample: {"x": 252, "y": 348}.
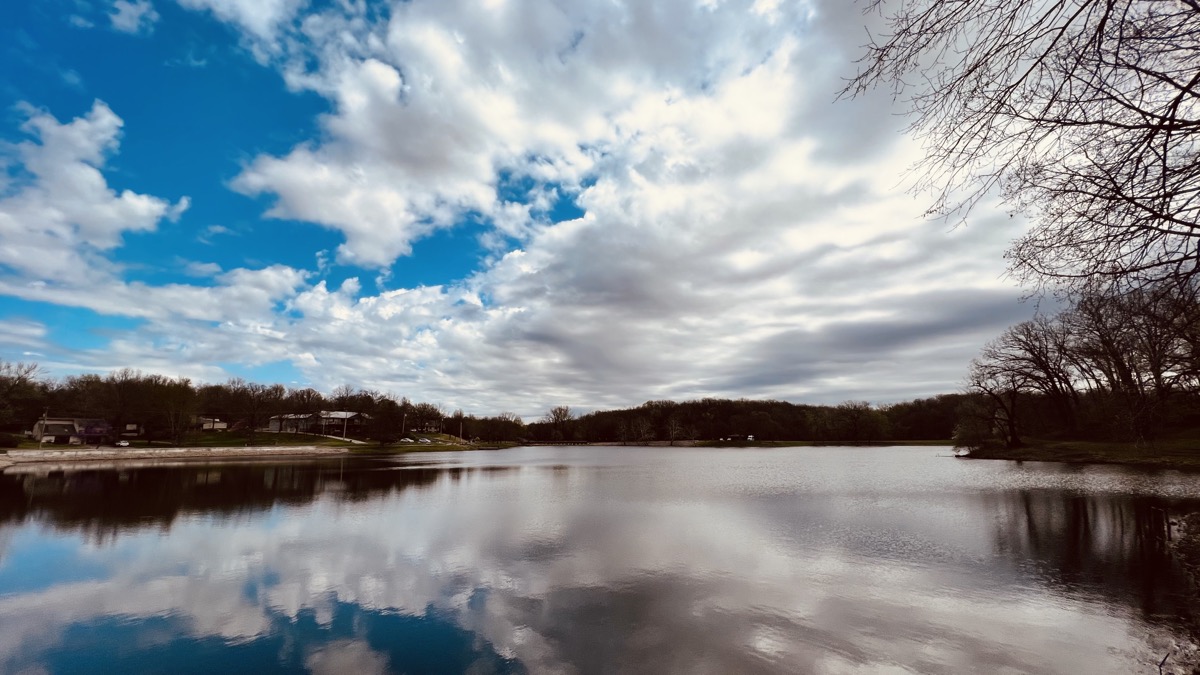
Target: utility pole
{"x": 42, "y": 429}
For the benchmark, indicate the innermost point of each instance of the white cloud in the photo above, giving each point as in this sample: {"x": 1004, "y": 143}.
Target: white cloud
{"x": 735, "y": 232}
{"x": 23, "y": 333}
{"x": 434, "y": 104}
{"x": 56, "y": 225}
{"x": 199, "y": 269}
{"x": 259, "y": 18}
{"x": 742, "y": 234}
{"x": 212, "y": 231}
{"x": 133, "y": 16}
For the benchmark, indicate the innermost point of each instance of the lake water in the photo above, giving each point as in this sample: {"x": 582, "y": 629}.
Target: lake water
{"x": 594, "y": 560}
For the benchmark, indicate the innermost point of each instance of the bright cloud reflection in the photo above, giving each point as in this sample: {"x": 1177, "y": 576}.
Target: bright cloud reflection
{"x": 641, "y": 562}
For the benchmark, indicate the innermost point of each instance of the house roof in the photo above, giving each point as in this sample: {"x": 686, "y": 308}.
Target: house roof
{"x": 324, "y": 414}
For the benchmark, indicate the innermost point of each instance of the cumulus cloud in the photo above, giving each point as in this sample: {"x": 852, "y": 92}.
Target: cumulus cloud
{"x": 741, "y": 234}
{"x": 133, "y": 16}
{"x": 259, "y": 18}
{"x": 730, "y": 206}
{"x": 56, "y": 223}
{"x": 59, "y": 223}
{"x": 201, "y": 269}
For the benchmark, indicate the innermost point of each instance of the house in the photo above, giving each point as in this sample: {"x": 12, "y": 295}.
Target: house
{"x": 292, "y": 422}
{"x": 325, "y": 422}
{"x": 211, "y": 424}
{"x": 71, "y": 431}
{"x": 342, "y": 423}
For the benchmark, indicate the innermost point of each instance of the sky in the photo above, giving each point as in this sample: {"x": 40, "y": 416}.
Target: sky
{"x": 495, "y": 205}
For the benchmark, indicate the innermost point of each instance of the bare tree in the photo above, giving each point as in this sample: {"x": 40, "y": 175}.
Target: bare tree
{"x": 17, "y": 380}
{"x": 1001, "y": 389}
{"x": 1085, "y": 114}
{"x": 559, "y": 418}
{"x": 643, "y": 430}
{"x": 1039, "y": 351}
{"x": 675, "y": 429}
{"x": 254, "y": 403}
{"x": 174, "y": 402}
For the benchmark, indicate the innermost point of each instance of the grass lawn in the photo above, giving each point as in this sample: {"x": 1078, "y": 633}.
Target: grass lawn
{"x": 214, "y": 439}
{"x": 226, "y": 439}
{"x": 234, "y": 439}
{"x": 801, "y": 444}
{"x": 1176, "y": 453}
{"x": 437, "y": 443}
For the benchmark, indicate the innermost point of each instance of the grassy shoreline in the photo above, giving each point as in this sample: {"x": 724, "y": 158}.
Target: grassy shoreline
{"x": 1165, "y": 454}
{"x": 233, "y": 445}
{"x": 813, "y": 444}
{"x": 1183, "y": 454}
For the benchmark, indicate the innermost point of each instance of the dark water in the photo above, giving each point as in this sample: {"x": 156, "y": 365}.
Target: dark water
{"x": 594, "y": 560}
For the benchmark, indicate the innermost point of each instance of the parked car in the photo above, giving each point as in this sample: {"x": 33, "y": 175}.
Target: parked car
{"x": 122, "y": 444}
{"x": 426, "y": 440}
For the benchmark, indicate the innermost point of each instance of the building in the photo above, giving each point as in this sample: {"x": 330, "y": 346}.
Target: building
{"x": 325, "y": 422}
{"x": 71, "y": 431}
{"x": 211, "y": 424}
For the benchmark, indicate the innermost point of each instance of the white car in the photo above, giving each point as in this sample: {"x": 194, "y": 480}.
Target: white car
{"x": 425, "y": 440}
{"x": 122, "y": 444}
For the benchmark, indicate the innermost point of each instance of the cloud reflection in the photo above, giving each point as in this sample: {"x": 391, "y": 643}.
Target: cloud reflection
{"x": 629, "y": 565}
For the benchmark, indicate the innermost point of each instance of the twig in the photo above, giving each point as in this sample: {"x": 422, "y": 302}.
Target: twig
{"x": 1160, "y": 663}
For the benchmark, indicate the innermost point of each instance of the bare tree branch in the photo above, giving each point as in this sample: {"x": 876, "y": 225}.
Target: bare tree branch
{"x": 1083, "y": 114}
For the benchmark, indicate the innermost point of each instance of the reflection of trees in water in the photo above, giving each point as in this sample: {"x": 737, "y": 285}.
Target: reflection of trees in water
{"x": 104, "y": 502}
{"x": 1113, "y": 545}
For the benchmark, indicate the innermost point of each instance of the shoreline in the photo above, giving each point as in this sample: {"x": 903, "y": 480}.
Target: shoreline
{"x": 81, "y": 457}
{"x": 1169, "y": 456}
{"x": 1176, "y": 456}
{"x": 22, "y": 457}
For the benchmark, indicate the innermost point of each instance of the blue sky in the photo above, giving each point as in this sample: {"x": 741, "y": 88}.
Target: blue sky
{"x": 491, "y": 204}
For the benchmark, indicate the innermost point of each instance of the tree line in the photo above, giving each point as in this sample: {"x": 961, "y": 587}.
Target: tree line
{"x": 169, "y": 409}
{"x": 1083, "y": 115}
{"x": 1122, "y": 366}
{"x": 712, "y": 419}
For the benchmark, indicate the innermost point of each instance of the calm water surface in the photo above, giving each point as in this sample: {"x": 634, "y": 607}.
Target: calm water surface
{"x": 593, "y": 560}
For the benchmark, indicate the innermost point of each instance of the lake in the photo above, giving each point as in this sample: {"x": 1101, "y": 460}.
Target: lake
{"x": 593, "y": 560}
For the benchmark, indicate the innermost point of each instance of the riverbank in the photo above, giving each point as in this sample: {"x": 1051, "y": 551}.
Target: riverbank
{"x": 1172, "y": 454}
{"x": 804, "y": 444}
{"x": 80, "y": 456}
{"x": 1186, "y": 545}
{"x": 119, "y": 454}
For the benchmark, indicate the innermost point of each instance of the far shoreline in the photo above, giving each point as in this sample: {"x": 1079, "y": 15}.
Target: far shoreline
{"x": 81, "y": 455}
{"x": 1181, "y": 455}
{"x": 1176, "y": 455}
